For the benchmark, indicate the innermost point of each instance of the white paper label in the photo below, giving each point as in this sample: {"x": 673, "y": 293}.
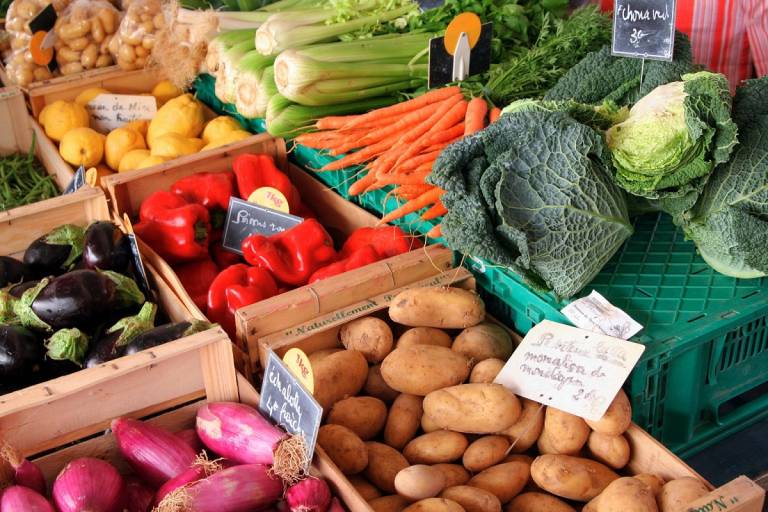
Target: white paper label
{"x": 570, "y": 369}
{"x": 594, "y": 313}
{"x": 110, "y": 111}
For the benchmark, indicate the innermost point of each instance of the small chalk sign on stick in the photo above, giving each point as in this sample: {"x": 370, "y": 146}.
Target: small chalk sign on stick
{"x": 245, "y": 219}
{"x": 138, "y": 264}
{"x": 464, "y": 50}
{"x": 78, "y": 180}
{"x": 644, "y": 29}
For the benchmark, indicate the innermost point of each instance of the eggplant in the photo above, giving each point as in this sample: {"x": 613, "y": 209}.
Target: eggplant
{"x": 110, "y": 343}
{"x": 19, "y": 289}
{"x": 106, "y": 248}
{"x": 13, "y": 271}
{"x": 21, "y": 354}
{"x": 55, "y": 252}
{"x": 164, "y": 334}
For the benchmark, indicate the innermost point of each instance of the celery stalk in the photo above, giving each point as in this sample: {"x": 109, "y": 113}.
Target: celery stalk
{"x": 223, "y": 42}
{"x": 333, "y": 92}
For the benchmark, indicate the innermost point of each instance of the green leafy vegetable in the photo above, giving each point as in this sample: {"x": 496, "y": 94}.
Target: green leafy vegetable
{"x": 23, "y": 180}
{"x": 600, "y": 117}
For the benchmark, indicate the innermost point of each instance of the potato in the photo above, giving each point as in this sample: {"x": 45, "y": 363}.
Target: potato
{"x": 384, "y": 463}
{"x": 436, "y": 447}
{"x": 515, "y": 457}
{"x": 443, "y": 307}
{"x": 485, "y": 452}
{"x": 421, "y": 369}
{"x": 370, "y": 336}
{"x": 473, "y": 408}
{"x": 428, "y": 424}
{"x": 473, "y": 499}
{"x": 424, "y": 336}
{"x": 655, "y": 482}
{"x": 505, "y": 481}
{"x": 545, "y": 445}
{"x": 573, "y": 478}
{"x": 613, "y": 451}
{"x": 419, "y": 482}
{"x": 566, "y": 433}
{"x": 484, "y": 341}
{"x": 391, "y": 503}
{"x": 538, "y": 502}
{"x": 316, "y": 357}
{"x": 616, "y": 419}
{"x": 338, "y": 376}
{"x": 485, "y": 371}
{"x": 435, "y": 505}
{"x": 526, "y": 430}
{"x": 376, "y": 387}
{"x": 677, "y": 494}
{"x": 625, "y": 494}
{"x": 364, "y": 488}
{"x": 363, "y": 415}
{"x": 344, "y": 447}
{"x": 403, "y": 420}
{"x": 454, "y": 474}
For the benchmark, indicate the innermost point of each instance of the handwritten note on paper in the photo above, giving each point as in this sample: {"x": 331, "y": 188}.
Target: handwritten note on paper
{"x": 570, "y": 369}
{"x": 594, "y": 313}
{"x": 110, "y": 111}
{"x": 644, "y": 28}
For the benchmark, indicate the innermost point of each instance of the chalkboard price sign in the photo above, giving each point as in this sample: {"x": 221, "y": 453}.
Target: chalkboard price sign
{"x": 245, "y": 219}
{"x": 644, "y": 29}
{"x": 78, "y": 180}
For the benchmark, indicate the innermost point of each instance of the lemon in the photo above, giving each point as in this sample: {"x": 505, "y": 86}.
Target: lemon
{"x": 82, "y": 146}
{"x": 90, "y": 94}
{"x": 227, "y": 138}
{"x": 219, "y": 127}
{"x": 139, "y": 125}
{"x": 150, "y": 161}
{"x": 182, "y": 115}
{"x": 119, "y": 142}
{"x": 164, "y": 91}
{"x": 173, "y": 145}
{"x": 62, "y": 116}
{"x": 132, "y": 159}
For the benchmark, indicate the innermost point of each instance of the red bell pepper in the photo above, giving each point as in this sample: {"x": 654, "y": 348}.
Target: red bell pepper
{"x": 197, "y": 278}
{"x": 224, "y": 258}
{"x": 257, "y": 171}
{"x": 361, "y": 257}
{"x": 293, "y": 255}
{"x": 175, "y": 229}
{"x": 210, "y": 189}
{"x": 235, "y": 287}
{"x": 387, "y": 240}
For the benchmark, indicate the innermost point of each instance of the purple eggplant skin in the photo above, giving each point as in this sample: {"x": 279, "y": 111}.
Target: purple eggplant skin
{"x": 13, "y": 271}
{"x": 75, "y": 299}
{"x": 163, "y": 334}
{"x": 106, "y": 248}
{"x": 21, "y": 354}
{"x": 46, "y": 259}
{"x": 18, "y": 290}
{"x": 103, "y": 350}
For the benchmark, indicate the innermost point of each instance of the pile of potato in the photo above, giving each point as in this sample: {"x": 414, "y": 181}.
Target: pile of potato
{"x": 133, "y": 43}
{"x": 84, "y": 32}
{"x": 417, "y": 424}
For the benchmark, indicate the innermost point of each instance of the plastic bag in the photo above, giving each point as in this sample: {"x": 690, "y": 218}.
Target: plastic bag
{"x": 133, "y": 43}
{"x": 84, "y": 31}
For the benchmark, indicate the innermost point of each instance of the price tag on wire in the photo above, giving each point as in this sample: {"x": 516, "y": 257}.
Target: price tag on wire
{"x": 138, "y": 264}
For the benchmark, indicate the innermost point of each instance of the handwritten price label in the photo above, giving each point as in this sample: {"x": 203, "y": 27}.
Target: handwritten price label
{"x": 298, "y": 362}
{"x": 269, "y": 198}
{"x": 110, "y": 111}
{"x": 644, "y": 29}
{"x": 570, "y": 369}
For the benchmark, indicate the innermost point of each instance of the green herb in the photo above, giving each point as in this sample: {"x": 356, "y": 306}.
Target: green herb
{"x": 23, "y": 180}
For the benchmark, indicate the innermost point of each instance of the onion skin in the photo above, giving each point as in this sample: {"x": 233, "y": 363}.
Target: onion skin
{"x": 156, "y": 455}
{"x": 138, "y": 495}
{"x": 25, "y": 473}
{"x": 192, "y": 474}
{"x": 336, "y": 506}
{"x": 189, "y": 436}
{"x": 88, "y": 485}
{"x": 23, "y": 499}
{"x": 310, "y": 495}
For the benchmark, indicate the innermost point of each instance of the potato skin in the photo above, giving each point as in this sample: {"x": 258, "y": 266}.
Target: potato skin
{"x": 421, "y": 369}
{"x": 376, "y": 387}
{"x": 484, "y": 341}
{"x": 370, "y": 336}
{"x": 363, "y": 415}
{"x": 435, "y": 505}
{"x": 505, "y": 481}
{"x": 613, "y": 451}
{"x": 485, "y": 371}
{"x": 565, "y": 433}
{"x": 655, "y": 482}
{"x": 573, "y": 478}
{"x": 473, "y": 408}
{"x": 442, "y": 307}
{"x": 344, "y": 447}
{"x": 428, "y": 424}
{"x": 439, "y": 447}
{"x": 391, "y": 503}
{"x": 454, "y": 474}
{"x": 319, "y": 355}
{"x": 526, "y": 430}
{"x": 384, "y": 463}
{"x": 624, "y": 494}
{"x": 485, "y": 452}
{"x": 338, "y": 376}
{"x": 424, "y": 336}
{"x": 677, "y": 494}
{"x": 473, "y": 499}
{"x": 537, "y": 502}
{"x": 616, "y": 419}
{"x": 419, "y": 482}
{"x": 403, "y": 420}
{"x": 365, "y": 488}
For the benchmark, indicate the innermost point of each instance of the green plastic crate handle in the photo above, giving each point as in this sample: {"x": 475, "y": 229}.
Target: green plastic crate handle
{"x": 714, "y": 360}
{"x": 744, "y": 413}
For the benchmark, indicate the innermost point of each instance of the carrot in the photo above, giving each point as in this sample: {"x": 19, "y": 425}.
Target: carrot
{"x": 437, "y": 210}
{"x": 361, "y": 156}
{"x": 449, "y": 120}
{"x": 327, "y": 139}
{"x": 411, "y": 191}
{"x": 435, "y": 232}
{"x": 427, "y": 198}
{"x": 334, "y": 122}
{"x": 403, "y": 123}
{"x": 475, "y": 119}
{"x": 363, "y": 183}
{"x": 495, "y": 114}
{"x": 420, "y": 159}
{"x": 416, "y": 177}
{"x": 433, "y": 96}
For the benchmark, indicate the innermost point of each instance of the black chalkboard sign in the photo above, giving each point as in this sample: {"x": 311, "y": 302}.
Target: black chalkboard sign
{"x": 245, "y": 219}
{"x": 286, "y": 402}
{"x": 644, "y": 29}
{"x": 78, "y": 180}
{"x": 140, "y": 273}
{"x": 44, "y": 21}
{"x": 441, "y": 62}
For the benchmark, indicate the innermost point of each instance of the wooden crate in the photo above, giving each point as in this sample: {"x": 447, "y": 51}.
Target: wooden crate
{"x": 648, "y": 455}
{"x": 128, "y": 190}
{"x": 58, "y": 80}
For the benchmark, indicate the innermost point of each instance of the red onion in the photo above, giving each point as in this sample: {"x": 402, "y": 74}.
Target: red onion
{"x": 310, "y": 495}
{"x": 23, "y": 499}
{"x": 242, "y": 488}
{"x": 189, "y": 436}
{"x": 138, "y": 495}
{"x": 155, "y": 454}
{"x": 88, "y": 485}
{"x": 336, "y": 506}
{"x": 202, "y": 468}
{"x": 240, "y": 433}
{"x": 25, "y": 472}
